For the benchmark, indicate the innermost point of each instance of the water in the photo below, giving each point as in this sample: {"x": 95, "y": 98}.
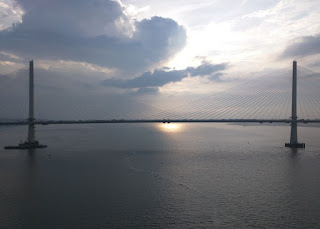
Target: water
{"x": 160, "y": 176}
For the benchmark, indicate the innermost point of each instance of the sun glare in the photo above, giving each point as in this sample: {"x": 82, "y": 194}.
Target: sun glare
{"x": 169, "y": 127}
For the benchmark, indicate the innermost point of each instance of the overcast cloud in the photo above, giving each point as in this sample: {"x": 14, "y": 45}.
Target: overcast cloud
{"x": 304, "y": 46}
{"x": 97, "y": 32}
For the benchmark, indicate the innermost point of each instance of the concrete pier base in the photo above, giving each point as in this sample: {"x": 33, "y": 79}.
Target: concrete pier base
{"x": 27, "y": 145}
{"x": 295, "y": 145}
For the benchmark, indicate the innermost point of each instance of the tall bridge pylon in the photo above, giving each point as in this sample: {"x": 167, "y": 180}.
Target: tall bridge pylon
{"x": 294, "y": 129}
{"x": 31, "y": 142}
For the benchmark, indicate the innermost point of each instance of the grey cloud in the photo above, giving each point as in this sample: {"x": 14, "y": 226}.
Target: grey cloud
{"x": 304, "y": 46}
{"x": 157, "y": 78}
{"x": 205, "y": 69}
{"x": 160, "y": 37}
{"x": 215, "y": 77}
{"x": 160, "y": 77}
{"x": 148, "y": 90}
{"x": 96, "y": 32}
{"x": 73, "y": 17}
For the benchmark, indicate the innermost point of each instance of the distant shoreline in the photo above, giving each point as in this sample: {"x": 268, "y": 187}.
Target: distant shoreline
{"x": 276, "y": 124}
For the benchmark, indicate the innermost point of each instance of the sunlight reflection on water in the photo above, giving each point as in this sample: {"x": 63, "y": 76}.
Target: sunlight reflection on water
{"x": 170, "y": 127}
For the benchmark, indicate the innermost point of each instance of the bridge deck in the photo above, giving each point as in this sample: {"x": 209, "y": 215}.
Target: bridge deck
{"x": 55, "y": 122}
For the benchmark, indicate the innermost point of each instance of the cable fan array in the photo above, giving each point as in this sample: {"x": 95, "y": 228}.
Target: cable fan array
{"x": 264, "y": 97}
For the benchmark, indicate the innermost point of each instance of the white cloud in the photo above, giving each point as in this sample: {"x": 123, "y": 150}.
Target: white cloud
{"x": 10, "y": 13}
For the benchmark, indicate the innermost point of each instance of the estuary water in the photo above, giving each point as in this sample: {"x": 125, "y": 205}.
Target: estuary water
{"x": 160, "y": 176}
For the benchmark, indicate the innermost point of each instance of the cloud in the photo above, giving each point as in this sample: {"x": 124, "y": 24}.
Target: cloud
{"x": 304, "y": 46}
{"x": 205, "y": 68}
{"x": 8, "y": 57}
{"x": 97, "y": 32}
{"x": 147, "y": 90}
{"x": 10, "y": 13}
{"x": 215, "y": 77}
{"x": 161, "y": 77}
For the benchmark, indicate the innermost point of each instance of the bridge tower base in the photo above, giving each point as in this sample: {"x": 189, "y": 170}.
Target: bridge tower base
{"x": 295, "y": 145}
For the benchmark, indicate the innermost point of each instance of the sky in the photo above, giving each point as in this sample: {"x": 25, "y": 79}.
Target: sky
{"x": 156, "y": 49}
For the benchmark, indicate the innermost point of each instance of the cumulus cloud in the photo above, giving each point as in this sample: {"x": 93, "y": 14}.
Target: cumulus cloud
{"x": 161, "y": 77}
{"x": 304, "y": 46}
{"x": 75, "y": 17}
{"x": 97, "y": 32}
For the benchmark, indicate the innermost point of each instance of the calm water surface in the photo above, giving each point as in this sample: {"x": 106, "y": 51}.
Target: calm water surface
{"x": 160, "y": 176}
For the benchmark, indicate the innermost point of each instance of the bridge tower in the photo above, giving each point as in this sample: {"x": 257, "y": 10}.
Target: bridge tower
{"x": 31, "y": 129}
{"x": 294, "y": 129}
{"x": 31, "y": 142}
